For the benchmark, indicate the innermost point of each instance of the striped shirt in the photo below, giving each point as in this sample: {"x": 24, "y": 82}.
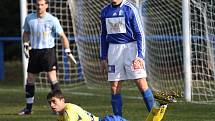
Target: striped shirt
{"x": 42, "y": 30}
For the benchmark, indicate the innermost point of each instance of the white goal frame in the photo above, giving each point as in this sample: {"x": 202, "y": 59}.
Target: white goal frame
{"x": 186, "y": 43}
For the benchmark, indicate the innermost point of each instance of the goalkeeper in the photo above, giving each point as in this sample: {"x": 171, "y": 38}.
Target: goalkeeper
{"x": 72, "y": 112}
{"x": 40, "y": 30}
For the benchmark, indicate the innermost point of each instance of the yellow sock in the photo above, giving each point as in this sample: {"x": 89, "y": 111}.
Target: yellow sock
{"x": 156, "y": 114}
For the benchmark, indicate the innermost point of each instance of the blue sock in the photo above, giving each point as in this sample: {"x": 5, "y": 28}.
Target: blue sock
{"x": 148, "y": 98}
{"x": 116, "y": 101}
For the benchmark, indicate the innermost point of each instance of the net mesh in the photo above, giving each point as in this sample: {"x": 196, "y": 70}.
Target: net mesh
{"x": 164, "y": 46}
{"x": 163, "y": 27}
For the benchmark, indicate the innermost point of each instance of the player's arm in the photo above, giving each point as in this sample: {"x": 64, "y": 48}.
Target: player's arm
{"x": 138, "y": 32}
{"x": 139, "y": 36}
{"x": 104, "y": 45}
{"x": 64, "y": 40}
{"x": 26, "y": 44}
{"x": 26, "y": 37}
{"x": 65, "y": 43}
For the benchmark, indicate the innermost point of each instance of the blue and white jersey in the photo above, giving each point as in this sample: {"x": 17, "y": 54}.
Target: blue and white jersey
{"x": 119, "y": 25}
{"x": 42, "y": 30}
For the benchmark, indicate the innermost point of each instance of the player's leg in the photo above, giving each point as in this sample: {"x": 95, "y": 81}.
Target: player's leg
{"x": 137, "y": 72}
{"x": 157, "y": 113}
{"x": 145, "y": 92}
{"x": 29, "y": 94}
{"x": 162, "y": 100}
{"x": 116, "y": 98}
{"x": 50, "y": 66}
{"x": 53, "y": 80}
{"x": 116, "y": 72}
{"x": 33, "y": 69}
{"x": 113, "y": 118}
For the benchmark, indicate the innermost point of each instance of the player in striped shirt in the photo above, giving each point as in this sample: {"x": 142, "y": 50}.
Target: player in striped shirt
{"x": 122, "y": 51}
{"x": 40, "y": 30}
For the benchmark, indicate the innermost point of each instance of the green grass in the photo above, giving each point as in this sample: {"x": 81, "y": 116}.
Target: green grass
{"x": 96, "y": 101}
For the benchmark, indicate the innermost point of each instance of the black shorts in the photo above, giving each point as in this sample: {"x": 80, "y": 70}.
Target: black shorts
{"x": 42, "y": 60}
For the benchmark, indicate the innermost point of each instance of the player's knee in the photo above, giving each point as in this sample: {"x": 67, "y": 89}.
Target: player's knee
{"x": 141, "y": 84}
{"x": 115, "y": 90}
{"x": 30, "y": 81}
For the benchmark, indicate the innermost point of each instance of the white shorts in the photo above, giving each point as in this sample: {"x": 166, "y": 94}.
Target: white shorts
{"x": 120, "y": 57}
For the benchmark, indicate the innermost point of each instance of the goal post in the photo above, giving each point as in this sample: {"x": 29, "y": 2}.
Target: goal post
{"x": 186, "y": 49}
{"x": 180, "y": 45}
{"x": 23, "y": 14}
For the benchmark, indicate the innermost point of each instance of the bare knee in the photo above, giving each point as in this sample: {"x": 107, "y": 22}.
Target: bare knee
{"x": 141, "y": 84}
{"x": 31, "y": 78}
{"x": 115, "y": 87}
{"x": 52, "y": 76}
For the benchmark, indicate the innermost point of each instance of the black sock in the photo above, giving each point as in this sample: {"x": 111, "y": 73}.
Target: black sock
{"x": 55, "y": 86}
{"x": 30, "y": 90}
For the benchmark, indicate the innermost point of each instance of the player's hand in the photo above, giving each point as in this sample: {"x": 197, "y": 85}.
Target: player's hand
{"x": 104, "y": 66}
{"x": 138, "y": 63}
{"x": 26, "y": 49}
{"x": 70, "y": 56}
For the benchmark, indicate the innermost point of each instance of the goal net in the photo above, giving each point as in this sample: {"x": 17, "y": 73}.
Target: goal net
{"x": 86, "y": 19}
{"x": 163, "y": 28}
{"x": 162, "y": 20}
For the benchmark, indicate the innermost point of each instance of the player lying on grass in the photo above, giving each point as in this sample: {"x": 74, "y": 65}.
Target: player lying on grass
{"x": 72, "y": 112}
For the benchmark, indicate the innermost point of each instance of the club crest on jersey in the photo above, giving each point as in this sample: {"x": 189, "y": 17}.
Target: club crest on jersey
{"x": 121, "y": 12}
{"x": 115, "y": 25}
{"x": 111, "y": 68}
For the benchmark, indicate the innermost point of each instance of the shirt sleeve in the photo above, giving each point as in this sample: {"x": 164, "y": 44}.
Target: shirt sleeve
{"x": 58, "y": 27}
{"x": 138, "y": 32}
{"x": 26, "y": 26}
{"x": 104, "y": 45}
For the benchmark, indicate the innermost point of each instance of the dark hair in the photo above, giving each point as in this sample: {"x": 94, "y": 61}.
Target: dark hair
{"x": 55, "y": 93}
{"x": 46, "y": 1}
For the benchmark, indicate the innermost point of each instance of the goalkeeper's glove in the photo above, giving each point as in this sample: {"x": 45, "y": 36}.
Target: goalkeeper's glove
{"x": 26, "y": 49}
{"x": 70, "y": 56}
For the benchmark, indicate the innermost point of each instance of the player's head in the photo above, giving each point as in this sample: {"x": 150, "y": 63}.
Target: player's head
{"x": 56, "y": 101}
{"x": 41, "y": 6}
{"x": 116, "y": 2}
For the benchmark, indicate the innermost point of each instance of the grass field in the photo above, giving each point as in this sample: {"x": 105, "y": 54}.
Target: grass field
{"x": 96, "y": 101}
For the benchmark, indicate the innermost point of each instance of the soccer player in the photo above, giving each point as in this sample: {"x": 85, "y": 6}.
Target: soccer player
{"x": 122, "y": 49}
{"x": 72, "y": 112}
{"x": 40, "y": 29}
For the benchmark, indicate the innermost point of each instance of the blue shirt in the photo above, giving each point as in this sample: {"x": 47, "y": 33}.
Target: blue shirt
{"x": 42, "y": 30}
{"x": 119, "y": 25}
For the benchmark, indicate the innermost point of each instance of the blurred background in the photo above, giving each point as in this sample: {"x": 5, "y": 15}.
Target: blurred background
{"x": 10, "y": 27}
{"x": 10, "y": 41}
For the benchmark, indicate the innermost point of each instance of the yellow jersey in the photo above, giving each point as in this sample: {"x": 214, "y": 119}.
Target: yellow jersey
{"x": 76, "y": 113}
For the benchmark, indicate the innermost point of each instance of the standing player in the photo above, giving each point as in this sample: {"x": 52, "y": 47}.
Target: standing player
{"x": 123, "y": 50}
{"x": 40, "y": 30}
{"x": 72, "y": 112}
